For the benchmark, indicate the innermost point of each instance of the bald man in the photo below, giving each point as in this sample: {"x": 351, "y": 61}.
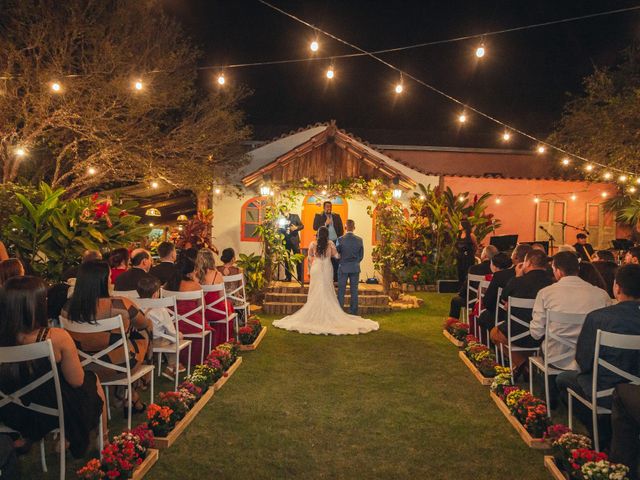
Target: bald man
{"x": 140, "y": 265}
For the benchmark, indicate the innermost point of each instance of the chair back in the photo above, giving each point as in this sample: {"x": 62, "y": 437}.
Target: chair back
{"x": 219, "y": 305}
{"x": 102, "y": 325}
{"x": 130, "y": 294}
{"x": 31, "y": 352}
{"x": 169, "y": 304}
{"x": 524, "y": 304}
{"x": 196, "y": 295}
{"x": 482, "y": 289}
{"x": 560, "y": 318}
{"x": 499, "y": 306}
{"x": 620, "y": 342}
{"x": 234, "y": 285}
{"x": 473, "y": 287}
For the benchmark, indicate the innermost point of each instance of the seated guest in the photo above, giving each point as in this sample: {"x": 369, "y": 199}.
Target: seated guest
{"x": 622, "y": 318}
{"x": 632, "y": 256}
{"x": 191, "y": 253}
{"x": 533, "y": 279}
{"x": 24, "y": 322}
{"x": 207, "y": 274}
{"x": 570, "y": 294}
{"x": 11, "y": 267}
{"x": 625, "y": 425}
{"x": 604, "y": 262}
{"x": 140, "y": 265}
{"x": 90, "y": 303}
{"x": 119, "y": 262}
{"x": 589, "y": 273}
{"x": 87, "y": 256}
{"x": 483, "y": 268}
{"x": 502, "y": 269}
{"x": 164, "y": 331}
{"x": 583, "y": 249}
{"x": 167, "y": 266}
{"x": 186, "y": 280}
{"x": 228, "y": 259}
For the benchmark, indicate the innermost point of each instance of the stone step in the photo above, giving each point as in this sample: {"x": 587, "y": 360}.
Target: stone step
{"x": 283, "y": 287}
{"x": 363, "y": 299}
{"x": 271, "y": 308}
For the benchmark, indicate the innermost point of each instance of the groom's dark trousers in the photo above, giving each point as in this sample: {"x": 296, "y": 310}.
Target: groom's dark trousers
{"x": 351, "y": 253}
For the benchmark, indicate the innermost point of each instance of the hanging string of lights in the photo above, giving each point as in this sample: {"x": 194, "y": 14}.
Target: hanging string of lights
{"x": 463, "y": 116}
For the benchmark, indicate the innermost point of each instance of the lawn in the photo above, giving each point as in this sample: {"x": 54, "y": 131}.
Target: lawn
{"x": 396, "y": 403}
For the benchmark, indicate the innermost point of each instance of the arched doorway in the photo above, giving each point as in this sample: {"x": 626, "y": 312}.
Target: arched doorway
{"x": 311, "y": 205}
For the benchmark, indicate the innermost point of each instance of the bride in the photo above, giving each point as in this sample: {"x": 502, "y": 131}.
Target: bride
{"x": 322, "y": 314}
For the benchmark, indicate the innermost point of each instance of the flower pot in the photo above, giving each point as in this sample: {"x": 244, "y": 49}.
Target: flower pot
{"x": 142, "y": 469}
{"x": 256, "y": 342}
{"x": 172, "y": 436}
{"x": 476, "y": 373}
{"x": 218, "y": 385}
{"x": 537, "y": 443}
{"x": 452, "y": 339}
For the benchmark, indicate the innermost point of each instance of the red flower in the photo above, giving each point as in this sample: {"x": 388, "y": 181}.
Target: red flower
{"x": 94, "y": 197}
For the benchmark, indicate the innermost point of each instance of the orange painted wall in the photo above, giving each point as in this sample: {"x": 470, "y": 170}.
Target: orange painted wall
{"x": 517, "y": 210}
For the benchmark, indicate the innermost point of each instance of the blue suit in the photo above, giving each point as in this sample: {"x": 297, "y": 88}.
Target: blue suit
{"x": 351, "y": 253}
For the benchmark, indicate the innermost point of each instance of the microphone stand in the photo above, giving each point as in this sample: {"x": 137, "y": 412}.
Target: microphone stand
{"x": 580, "y": 229}
{"x": 551, "y": 239}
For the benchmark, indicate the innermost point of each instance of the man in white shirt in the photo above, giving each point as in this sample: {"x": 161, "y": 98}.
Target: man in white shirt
{"x": 570, "y": 294}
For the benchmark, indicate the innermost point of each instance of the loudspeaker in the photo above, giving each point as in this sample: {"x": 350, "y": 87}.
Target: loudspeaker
{"x": 448, "y": 286}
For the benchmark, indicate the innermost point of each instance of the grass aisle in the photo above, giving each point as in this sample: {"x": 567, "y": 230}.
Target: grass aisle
{"x": 396, "y": 403}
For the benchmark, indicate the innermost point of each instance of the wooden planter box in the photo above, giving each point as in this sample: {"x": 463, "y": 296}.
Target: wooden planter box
{"x": 256, "y": 342}
{"x": 550, "y": 464}
{"x": 145, "y": 466}
{"x": 452, "y": 339}
{"x": 476, "y": 373}
{"x": 218, "y": 385}
{"x": 531, "y": 442}
{"x": 166, "y": 442}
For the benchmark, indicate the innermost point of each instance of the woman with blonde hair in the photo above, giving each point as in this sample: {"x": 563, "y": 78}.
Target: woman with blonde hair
{"x": 207, "y": 274}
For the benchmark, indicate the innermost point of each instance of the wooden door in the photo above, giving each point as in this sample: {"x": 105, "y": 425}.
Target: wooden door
{"x": 601, "y": 226}
{"x": 310, "y": 206}
{"x": 549, "y": 214}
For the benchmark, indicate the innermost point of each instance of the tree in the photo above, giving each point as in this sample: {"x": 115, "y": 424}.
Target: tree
{"x": 604, "y": 123}
{"x": 99, "y": 127}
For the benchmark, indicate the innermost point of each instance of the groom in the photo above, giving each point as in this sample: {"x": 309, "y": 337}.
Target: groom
{"x": 351, "y": 254}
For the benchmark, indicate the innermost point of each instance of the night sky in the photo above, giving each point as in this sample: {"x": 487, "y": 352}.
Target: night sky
{"x": 523, "y": 79}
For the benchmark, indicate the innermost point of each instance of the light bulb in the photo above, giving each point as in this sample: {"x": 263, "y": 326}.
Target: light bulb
{"x": 330, "y": 73}
{"x": 324, "y": 192}
{"x": 56, "y": 87}
{"x": 422, "y": 197}
{"x": 155, "y": 184}
{"x": 462, "y": 118}
{"x": 399, "y": 88}
{"x": 374, "y": 193}
{"x": 541, "y": 149}
{"x": 632, "y": 189}
{"x": 498, "y": 200}
{"x": 604, "y": 194}
{"x": 20, "y": 152}
{"x": 180, "y": 228}
{"x": 138, "y": 85}
{"x": 217, "y": 191}
{"x": 480, "y": 51}
{"x": 91, "y": 171}
{"x": 314, "y": 46}
{"x": 151, "y": 224}
{"x": 607, "y": 175}
{"x": 536, "y": 200}
{"x": 574, "y": 197}
{"x": 506, "y": 136}
{"x": 622, "y": 178}
{"x": 566, "y": 161}
{"x": 589, "y": 168}
{"x": 461, "y": 198}
{"x": 638, "y": 180}
{"x": 221, "y": 79}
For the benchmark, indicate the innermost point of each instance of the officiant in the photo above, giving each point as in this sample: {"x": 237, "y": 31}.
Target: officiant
{"x": 333, "y": 222}
{"x": 290, "y": 225}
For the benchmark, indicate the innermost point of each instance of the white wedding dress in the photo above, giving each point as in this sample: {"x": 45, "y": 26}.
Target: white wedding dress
{"x": 322, "y": 314}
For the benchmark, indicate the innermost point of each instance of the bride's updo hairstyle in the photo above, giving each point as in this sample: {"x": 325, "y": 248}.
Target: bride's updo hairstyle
{"x": 323, "y": 241}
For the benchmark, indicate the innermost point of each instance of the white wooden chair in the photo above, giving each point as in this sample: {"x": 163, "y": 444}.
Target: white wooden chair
{"x": 219, "y": 307}
{"x": 522, "y": 303}
{"x": 482, "y": 289}
{"x": 237, "y": 294}
{"x": 496, "y": 323}
{"x": 473, "y": 282}
{"x": 30, "y": 352}
{"x": 203, "y": 333}
{"x": 545, "y": 364}
{"x": 177, "y": 345}
{"x": 86, "y": 359}
{"x": 130, "y": 294}
{"x": 609, "y": 340}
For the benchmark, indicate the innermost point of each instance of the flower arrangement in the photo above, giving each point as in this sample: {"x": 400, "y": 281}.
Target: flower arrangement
{"x": 482, "y": 357}
{"x": 501, "y": 380}
{"x": 604, "y": 470}
{"x": 193, "y": 390}
{"x": 161, "y": 419}
{"x": 119, "y": 457}
{"x": 564, "y": 445}
{"x": 203, "y": 376}
{"x": 179, "y": 402}
{"x": 250, "y": 331}
{"x": 458, "y": 330}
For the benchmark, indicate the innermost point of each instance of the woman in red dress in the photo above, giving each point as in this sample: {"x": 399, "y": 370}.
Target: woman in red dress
{"x": 118, "y": 262}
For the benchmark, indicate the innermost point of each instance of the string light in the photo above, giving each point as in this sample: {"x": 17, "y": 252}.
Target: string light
{"x": 498, "y": 200}
{"x": 91, "y": 171}
{"x": 506, "y": 136}
{"x": 541, "y": 149}
{"x": 155, "y": 184}
{"x": 217, "y": 191}
{"x": 461, "y": 198}
{"x": 151, "y": 224}
{"x": 330, "y": 72}
{"x": 374, "y": 193}
{"x": 536, "y": 200}
{"x": 607, "y": 175}
{"x": 324, "y": 192}
{"x": 422, "y": 197}
{"x": 638, "y": 180}
{"x": 56, "y": 87}
{"x": 221, "y": 80}
{"x": 462, "y": 118}
{"x": 574, "y": 197}
{"x": 604, "y": 194}
{"x": 566, "y": 161}
{"x": 588, "y": 167}
{"x": 20, "y": 152}
{"x": 480, "y": 51}
{"x": 622, "y": 178}
{"x": 314, "y": 46}
{"x": 632, "y": 189}
{"x": 138, "y": 85}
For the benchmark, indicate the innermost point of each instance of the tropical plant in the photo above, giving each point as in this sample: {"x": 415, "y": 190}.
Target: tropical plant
{"x": 196, "y": 232}
{"x": 51, "y": 233}
{"x": 627, "y": 212}
{"x": 253, "y": 268}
